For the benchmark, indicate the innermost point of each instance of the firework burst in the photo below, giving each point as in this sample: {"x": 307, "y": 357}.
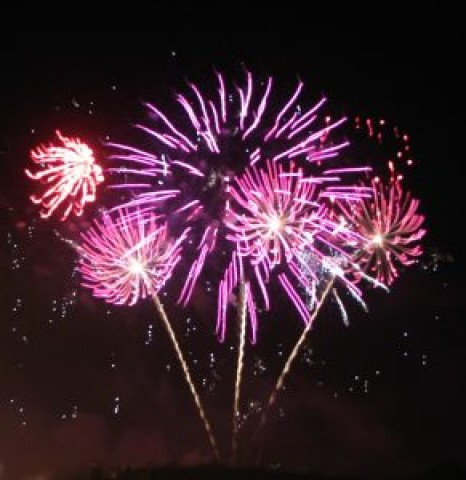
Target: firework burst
{"x": 275, "y": 216}
{"x": 68, "y": 174}
{"x": 126, "y": 257}
{"x": 391, "y": 229}
{"x": 190, "y": 176}
{"x": 385, "y": 231}
{"x": 199, "y": 175}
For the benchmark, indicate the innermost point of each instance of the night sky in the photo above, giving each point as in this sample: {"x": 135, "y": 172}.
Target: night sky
{"x": 83, "y": 383}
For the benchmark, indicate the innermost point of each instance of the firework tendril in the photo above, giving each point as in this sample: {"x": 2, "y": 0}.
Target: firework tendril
{"x": 68, "y": 174}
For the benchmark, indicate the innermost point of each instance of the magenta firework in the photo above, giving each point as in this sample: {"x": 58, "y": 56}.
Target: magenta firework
{"x": 127, "y": 257}
{"x": 197, "y": 166}
{"x": 276, "y": 214}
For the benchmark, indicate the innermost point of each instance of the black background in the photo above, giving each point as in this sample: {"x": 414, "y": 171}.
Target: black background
{"x": 402, "y": 61}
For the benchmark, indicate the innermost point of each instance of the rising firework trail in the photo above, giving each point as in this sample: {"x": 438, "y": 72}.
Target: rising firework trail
{"x": 291, "y": 358}
{"x": 127, "y": 257}
{"x": 254, "y": 181}
{"x": 387, "y": 230}
{"x": 274, "y": 216}
{"x": 187, "y": 374}
{"x": 68, "y": 175}
{"x": 242, "y": 313}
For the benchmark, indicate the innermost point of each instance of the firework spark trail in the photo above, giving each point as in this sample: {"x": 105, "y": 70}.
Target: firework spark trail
{"x": 242, "y": 313}
{"x": 387, "y": 228}
{"x": 187, "y": 374}
{"x": 128, "y": 256}
{"x": 69, "y": 172}
{"x": 291, "y": 358}
{"x": 346, "y": 272}
{"x": 381, "y": 218}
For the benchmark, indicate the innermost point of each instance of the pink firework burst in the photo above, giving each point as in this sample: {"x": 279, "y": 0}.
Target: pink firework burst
{"x": 127, "y": 257}
{"x": 188, "y": 175}
{"x": 390, "y": 225}
{"x": 276, "y": 215}
{"x": 68, "y": 175}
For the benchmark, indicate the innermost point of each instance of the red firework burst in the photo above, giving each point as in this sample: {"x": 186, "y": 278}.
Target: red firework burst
{"x": 68, "y": 175}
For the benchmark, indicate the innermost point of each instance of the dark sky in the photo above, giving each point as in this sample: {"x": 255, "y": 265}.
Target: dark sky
{"x": 93, "y": 385}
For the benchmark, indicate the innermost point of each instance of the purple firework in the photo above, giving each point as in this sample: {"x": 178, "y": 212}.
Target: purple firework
{"x": 189, "y": 174}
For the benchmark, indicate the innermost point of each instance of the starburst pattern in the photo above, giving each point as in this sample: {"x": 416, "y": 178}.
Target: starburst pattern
{"x": 126, "y": 257}
{"x": 276, "y": 215}
{"x": 68, "y": 174}
{"x": 391, "y": 227}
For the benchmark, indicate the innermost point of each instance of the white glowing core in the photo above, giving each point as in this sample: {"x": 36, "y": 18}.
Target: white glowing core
{"x": 377, "y": 240}
{"x": 135, "y": 266}
{"x": 275, "y": 224}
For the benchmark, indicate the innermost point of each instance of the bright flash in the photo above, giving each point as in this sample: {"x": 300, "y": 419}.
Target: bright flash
{"x": 377, "y": 240}
{"x": 136, "y": 267}
{"x": 275, "y": 224}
